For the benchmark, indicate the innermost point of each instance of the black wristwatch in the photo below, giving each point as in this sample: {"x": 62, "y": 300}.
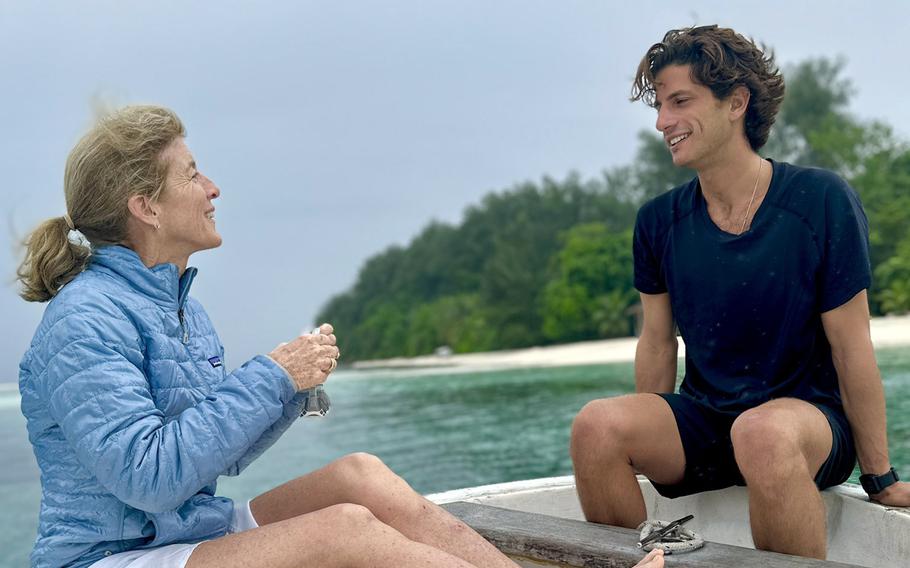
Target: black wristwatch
{"x": 873, "y": 484}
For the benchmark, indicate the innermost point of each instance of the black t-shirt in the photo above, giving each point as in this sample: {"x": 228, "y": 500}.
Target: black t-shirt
{"x": 749, "y": 306}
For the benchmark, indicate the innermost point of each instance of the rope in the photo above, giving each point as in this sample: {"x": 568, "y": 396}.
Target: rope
{"x": 678, "y": 540}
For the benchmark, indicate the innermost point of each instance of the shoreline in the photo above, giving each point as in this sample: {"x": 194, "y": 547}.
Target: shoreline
{"x": 887, "y": 331}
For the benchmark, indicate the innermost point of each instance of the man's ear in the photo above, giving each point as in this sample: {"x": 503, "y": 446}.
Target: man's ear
{"x": 143, "y": 210}
{"x": 739, "y": 102}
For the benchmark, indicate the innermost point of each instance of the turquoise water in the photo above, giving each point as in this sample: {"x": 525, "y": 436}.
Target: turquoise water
{"x": 438, "y": 430}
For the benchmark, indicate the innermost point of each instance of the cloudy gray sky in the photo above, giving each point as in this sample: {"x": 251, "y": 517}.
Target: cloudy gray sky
{"x": 336, "y": 129}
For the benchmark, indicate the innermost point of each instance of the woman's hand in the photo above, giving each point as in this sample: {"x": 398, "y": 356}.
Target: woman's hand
{"x": 310, "y": 358}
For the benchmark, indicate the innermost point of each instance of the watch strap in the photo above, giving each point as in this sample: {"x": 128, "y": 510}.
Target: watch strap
{"x": 873, "y": 484}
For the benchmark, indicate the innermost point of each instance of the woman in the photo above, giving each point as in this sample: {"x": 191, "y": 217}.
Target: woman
{"x": 133, "y": 417}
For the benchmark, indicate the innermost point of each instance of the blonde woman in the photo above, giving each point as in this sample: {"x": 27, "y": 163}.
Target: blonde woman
{"x": 133, "y": 416}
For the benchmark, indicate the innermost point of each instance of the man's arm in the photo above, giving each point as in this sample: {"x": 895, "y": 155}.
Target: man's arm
{"x": 847, "y": 329}
{"x": 655, "y": 355}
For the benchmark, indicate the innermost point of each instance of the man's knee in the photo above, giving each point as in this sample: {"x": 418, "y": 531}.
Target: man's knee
{"x": 766, "y": 447}
{"x": 601, "y": 426}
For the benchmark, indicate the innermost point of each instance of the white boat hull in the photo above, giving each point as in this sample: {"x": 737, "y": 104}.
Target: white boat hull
{"x": 859, "y": 532}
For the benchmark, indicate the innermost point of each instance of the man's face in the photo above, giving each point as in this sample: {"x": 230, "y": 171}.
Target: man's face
{"x": 695, "y": 125}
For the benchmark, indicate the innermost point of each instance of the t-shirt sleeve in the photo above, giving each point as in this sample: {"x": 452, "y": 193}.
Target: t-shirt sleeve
{"x": 649, "y": 277}
{"x": 845, "y": 268}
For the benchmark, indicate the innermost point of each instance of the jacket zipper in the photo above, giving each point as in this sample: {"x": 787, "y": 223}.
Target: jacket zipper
{"x": 186, "y": 331}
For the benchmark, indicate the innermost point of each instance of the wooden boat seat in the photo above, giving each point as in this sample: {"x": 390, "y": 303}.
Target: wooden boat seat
{"x": 534, "y": 539}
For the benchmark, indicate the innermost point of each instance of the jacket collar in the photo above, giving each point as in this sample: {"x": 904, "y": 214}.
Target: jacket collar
{"x": 161, "y": 282}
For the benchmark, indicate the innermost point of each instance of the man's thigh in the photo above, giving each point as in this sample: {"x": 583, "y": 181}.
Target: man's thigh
{"x": 642, "y": 426}
{"x": 708, "y": 451}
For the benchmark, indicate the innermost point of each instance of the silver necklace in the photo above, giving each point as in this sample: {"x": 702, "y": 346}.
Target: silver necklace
{"x": 761, "y": 163}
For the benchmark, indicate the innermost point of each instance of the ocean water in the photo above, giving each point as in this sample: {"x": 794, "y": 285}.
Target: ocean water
{"x": 439, "y": 430}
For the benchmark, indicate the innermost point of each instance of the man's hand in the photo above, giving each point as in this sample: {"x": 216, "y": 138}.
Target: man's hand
{"x": 896, "y": 495}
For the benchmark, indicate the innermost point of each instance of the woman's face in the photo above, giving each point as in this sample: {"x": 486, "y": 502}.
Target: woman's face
{"x": 186, "y": 211}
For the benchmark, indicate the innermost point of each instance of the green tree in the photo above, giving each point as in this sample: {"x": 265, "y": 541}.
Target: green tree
{"x": 894, "y": 280}
{"x": 814, "y": 107}
{"x": 592, "y": 287}
{"x": 383, "y": 333}
{"x": 453, "y": 321}
{"x": 884, "y": 186}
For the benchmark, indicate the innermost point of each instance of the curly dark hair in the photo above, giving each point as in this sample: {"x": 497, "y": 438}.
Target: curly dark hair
{"x": 721, "y": 60}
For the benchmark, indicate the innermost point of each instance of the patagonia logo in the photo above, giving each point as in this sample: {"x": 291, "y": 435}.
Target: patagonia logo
{"x": 215, "y": 361}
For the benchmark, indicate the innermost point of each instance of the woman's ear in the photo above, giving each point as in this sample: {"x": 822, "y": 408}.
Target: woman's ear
{"x": 144, "y": 210}
{"x": 739, "y": 102}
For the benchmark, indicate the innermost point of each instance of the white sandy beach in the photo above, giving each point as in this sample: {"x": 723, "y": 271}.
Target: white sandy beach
{"x": 890, "y": 331}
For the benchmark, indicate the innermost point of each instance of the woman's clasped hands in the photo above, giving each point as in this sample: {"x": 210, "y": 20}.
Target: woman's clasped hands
{"x": 310, "y": 358}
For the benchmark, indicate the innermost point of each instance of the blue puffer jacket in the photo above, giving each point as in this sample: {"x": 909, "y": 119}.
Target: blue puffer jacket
{"x": 132, "y": 415}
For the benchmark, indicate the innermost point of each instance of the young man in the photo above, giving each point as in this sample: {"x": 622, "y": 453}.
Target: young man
{"x": 763, "y": 266}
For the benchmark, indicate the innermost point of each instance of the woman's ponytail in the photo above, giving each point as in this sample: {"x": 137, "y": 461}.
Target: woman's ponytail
{"x": 51, "y": 260}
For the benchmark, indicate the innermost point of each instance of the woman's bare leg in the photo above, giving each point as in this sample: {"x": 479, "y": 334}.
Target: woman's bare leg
{"x": 363, "y": 479}
{"x": 341, "y": 536}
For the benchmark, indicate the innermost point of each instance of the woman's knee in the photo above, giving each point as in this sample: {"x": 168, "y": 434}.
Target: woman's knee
{"x": 362, "y": 464}
{"x": 348, "y": 530}
{"x": 347, "y": 516}
{"x": 364, "y": 477}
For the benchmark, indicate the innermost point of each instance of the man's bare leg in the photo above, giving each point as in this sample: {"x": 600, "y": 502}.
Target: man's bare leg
{"x": 363, "y": 479}
{"x": 779, "y": 447}
{"x": 341, "y": 536}
{"x": 614, "y": 438}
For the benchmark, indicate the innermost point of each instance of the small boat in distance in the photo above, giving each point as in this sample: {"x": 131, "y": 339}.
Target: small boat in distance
{"x": 860, "y": 533}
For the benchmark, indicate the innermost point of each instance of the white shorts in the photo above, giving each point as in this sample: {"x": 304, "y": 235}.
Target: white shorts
{"x": 174, "y": 555}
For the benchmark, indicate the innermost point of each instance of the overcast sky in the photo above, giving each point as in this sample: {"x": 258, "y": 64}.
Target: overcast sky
{"x": 336, "y": 129}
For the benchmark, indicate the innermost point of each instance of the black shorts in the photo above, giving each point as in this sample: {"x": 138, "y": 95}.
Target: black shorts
{"x": 710, "y": 463}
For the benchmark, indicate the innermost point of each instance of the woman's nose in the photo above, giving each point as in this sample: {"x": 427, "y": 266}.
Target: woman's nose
{"x": 210, "y": 188}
